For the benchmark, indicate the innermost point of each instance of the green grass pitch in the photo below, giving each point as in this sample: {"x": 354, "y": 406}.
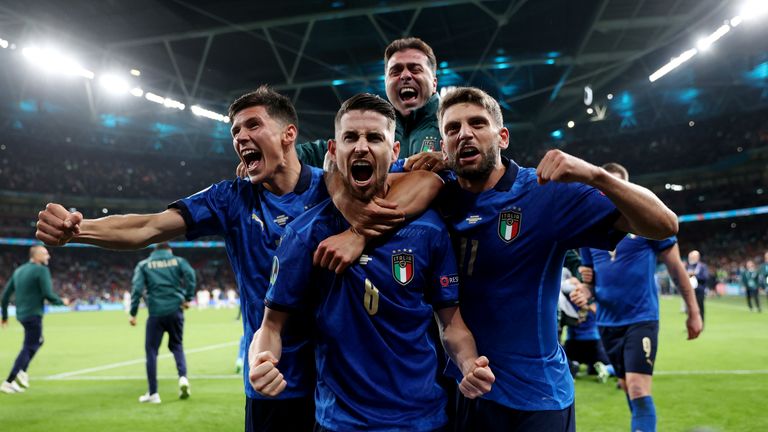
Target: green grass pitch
{"x": 716, "y": 383}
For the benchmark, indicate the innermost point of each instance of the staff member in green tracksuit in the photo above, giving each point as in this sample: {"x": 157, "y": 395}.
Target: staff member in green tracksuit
{"x": 32, "y": 284}
{"x": 410, "y": 75}
{"x": 170, "y": 284}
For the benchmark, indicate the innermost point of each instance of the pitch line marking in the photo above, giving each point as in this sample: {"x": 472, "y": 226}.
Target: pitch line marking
{"x": 137, "y": 361}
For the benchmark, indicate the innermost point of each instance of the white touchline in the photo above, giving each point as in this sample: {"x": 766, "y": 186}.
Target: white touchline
{"x": 137, "y": 361}
{"x": 238, "y": 377}
{"x": 714, "y": 372}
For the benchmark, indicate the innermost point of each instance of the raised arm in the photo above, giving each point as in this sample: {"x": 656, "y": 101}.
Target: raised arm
{"x": 671, "y": 258}
{"x": 642, "y": 212}
{"x": 264, "y": 354}
{"x": 460, "y": 346}
{"x": 57, "y": 226}
{"x": 409, "y": 195}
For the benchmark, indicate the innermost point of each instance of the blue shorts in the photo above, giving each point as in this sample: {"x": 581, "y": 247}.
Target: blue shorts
{"x": 475, "y": 415}
{"x": 632, "y": 348}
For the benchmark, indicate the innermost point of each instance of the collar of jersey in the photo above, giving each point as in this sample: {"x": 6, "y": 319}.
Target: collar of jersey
{"x": 305, "y": 180}
{"x": 506, "y": 181}
{"x": 417, "y": 115}
{"x": 161, "y": 253}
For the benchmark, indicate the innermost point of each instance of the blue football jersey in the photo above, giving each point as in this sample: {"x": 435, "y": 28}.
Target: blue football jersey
{"x": 510, "y": 242}
{"x": 251, "y": 219}
{"x": 625, "y": 288}
{"x": 586, "y": 330}
{"x": 376, "y": 365}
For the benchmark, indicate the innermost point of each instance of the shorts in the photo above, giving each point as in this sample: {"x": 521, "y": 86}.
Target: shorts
{"x": 481, "y": 415}
{"x": 631, "y": 348}
{"x": 280, "y": 415}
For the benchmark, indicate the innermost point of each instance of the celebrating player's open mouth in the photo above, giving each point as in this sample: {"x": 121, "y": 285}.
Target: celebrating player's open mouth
{"x": 361, "y": 173}
{"x": 469, "y": 154}
{"x": 252, "y": 159}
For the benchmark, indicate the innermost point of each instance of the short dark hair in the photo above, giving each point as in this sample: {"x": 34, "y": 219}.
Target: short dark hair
{"x": 411, "y": 43}
{"x": 277, "y": 106}
{"x": 163, "y": 245}
{"x": 614, "y": 168}
{"x": 470, "y": 95}
{"x": 367, "y": 102}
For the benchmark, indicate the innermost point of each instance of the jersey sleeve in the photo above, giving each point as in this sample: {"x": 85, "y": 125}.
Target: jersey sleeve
{"x": 312, "y": 153}
{"x": 443, "y": 288}
{"x": 584, "y": 217}
{"x": 661, "y": 245}
{"x": 138, "y": 283}
{"x": 46, "y": 287}
{"x": 190, "y": 279}
{"x": 7, "y": 293}
{"x": 586, "y": 257}
{"x": 291, "y": 270}
{"x": 205, "y": 213}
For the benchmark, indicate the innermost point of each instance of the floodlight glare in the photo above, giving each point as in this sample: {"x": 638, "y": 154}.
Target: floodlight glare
{"x": 707, "y": 42}
{"x": 590, "y": 111}
{"x": 202, "y": 112}
{"x": 609, "y": 96}
{"x": 114, "y": 84}
{"x": 3, "y": 43}
{"x": 674, "y": 63}
{"x": 154, "y": 98}
{"x": 136, "y": 91}
{"x": 735, "y": 21}
{"x": 753, "y": 9}
{"x": 571, "y": 124}
{"x": 52, "y": 61}
{"x": 135, "y": 72}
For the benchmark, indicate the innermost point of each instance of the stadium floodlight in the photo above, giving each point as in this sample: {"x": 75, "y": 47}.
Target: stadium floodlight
{"x": 137, "y": 91}
{"x": 53, "y": 61}
{"x": 610, "y": 96}
{"x": 753, "y": 9}
{"x": 154, "y": 98}
{"x": 707, "y": 42}
{"x": 202, "y": 112}
{"x": 3, "y": 43}
{"x": 114, "y": 84}
{"x": 590, "y": 110}
{"x": 170, "y": 103}
{"x": 135, "y": 72}
{"x": 735, "y": 21}
{"x": 571, "y": 124}
{"x": 673, "y": 64}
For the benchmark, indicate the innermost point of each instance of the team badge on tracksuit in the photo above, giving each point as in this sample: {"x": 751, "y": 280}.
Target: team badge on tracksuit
{"x": 402, "y": 267}
{"x": 509, "y": 225}
{"x": 429, "y": 144}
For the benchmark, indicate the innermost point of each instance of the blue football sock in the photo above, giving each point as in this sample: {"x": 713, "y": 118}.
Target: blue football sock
{"x": 643, "y": 414}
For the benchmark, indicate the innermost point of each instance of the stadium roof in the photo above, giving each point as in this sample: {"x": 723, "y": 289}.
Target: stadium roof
{"x": 536, "y": 57}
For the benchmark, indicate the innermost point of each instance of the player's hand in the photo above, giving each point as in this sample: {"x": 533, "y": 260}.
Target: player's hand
{"x": 562, "y": 167}
{"x": 580, "y": 295}
{"x": 4, "y": 323}
{"x": 264, "y": 376}
{"x": 56, "y": 225}
{"x": 241, "y": 171}
{"x": 185, "y": 305}
{"x": 479, "y": 381}
{"x": 694, "y": 324}
{"x": 373, "y": 218}
{"x": 587, "y": 274}
{"x": 429, "y": 160}
{"x": 132, "y": 321}
{"x": 338, "y": 252}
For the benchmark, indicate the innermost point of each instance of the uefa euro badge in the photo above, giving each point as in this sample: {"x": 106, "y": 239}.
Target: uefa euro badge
{"x": 429, "y": 144}
{"x": 509, "y": 225}
{"x": 275, "y": 270}
{"x": 402, "y": 266}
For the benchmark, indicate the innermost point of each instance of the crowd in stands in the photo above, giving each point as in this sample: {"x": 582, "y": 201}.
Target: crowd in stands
{"x": 678, "y": 147}
{"x": 91, "y": 276}
{"x": 72, "y": 170}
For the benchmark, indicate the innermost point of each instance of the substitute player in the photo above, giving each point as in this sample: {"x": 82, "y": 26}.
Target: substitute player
{"x": 628, "y": 308}
{"x": 376, "y": 364}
